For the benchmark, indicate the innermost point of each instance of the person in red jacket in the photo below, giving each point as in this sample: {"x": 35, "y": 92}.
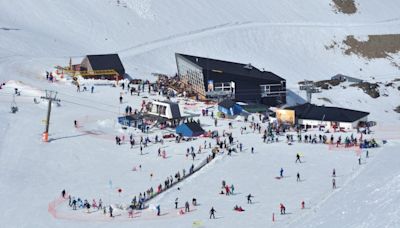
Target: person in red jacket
{"x": 227, "y": 190}
{"x": 283, "y": 209}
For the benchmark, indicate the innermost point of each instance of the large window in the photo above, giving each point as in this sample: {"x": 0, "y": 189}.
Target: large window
{"x": 191, "y": 74}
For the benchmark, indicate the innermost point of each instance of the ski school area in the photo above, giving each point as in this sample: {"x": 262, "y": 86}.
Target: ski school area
{"x": 197, "y": 170}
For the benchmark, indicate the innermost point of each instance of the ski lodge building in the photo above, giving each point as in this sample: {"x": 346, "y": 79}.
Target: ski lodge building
{"x": 108, "y": 66}
{"x": 313, "y": 116}
{"x": 218, "y": 79}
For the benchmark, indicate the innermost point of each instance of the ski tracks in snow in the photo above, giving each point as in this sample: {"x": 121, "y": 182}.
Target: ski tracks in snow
{"x": 314, "y": 208}
{"x": 225, "y": 27}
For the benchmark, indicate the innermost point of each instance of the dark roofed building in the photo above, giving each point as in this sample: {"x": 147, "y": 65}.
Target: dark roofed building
{"x": 103, "y": 65}
{"x": 314, "y": 115}
{"x": 212, "y": 78}
{"x": 229, "y": 107}
{"x": 190, "y": 129}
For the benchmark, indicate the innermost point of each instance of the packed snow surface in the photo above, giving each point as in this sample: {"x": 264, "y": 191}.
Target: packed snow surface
{"x": 289, "y": 38}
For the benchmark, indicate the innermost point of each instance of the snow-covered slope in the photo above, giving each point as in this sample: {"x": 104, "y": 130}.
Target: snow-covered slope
{"x": 288, "y": 37}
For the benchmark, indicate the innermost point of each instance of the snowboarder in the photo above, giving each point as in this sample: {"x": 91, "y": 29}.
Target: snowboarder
{"x": 212, "y": 213}
{"x": 281, "y": 173}
{"x": 298, "y": 158}
{"x": 298, "y": 177}
{"x": 283, "y": 209}
{"x": 333, "y": 183}
{"x": 249, "y": 196}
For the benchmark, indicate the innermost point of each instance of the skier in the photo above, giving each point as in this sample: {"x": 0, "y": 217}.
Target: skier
{"x": 298, "y": 177}
{"x": 302, "y": 204}
{"x": 298, "y": 158}
{"x": 92, "y": 89}
{"x": 176, "y": 203}
{"x": 366, "y": 155}
{"x": 333, "y": 183}
{"x": 281, "y": 173}
{"x": 334, "y": 173}
{"x": 75, "y": 123}
{"x": 252, "y": 150}
{"x": 283, "y": 209}
{"x": 232, "y": 188}
{"x": 187, "y": 209}
{"x": 249, "y": 196}
{"x": 359, "y": 160}
{"x": 63, "y": 193}
{"x": 120, "y": 99}
{"x": 212, "y": 213}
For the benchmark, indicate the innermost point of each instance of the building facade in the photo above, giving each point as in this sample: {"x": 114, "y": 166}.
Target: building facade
{"x": 218, "y": 79}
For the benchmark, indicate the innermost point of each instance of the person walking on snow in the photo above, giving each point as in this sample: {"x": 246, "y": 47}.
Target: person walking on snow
{"x": 249, "y": 196}
{"x": 298, "y": 158}
{"x": 187, "y": 208}
{"x": 333, "y": 183}
{"x": 158, "y": 210}
{"x": 110, "y": 209}
{"x": 212, "y": 213}
{"x": 283, "y": 209}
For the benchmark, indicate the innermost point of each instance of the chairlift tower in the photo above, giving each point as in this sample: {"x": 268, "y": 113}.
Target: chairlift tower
{"x": 50, "y": 96}
{"x": 310, "y": 88}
